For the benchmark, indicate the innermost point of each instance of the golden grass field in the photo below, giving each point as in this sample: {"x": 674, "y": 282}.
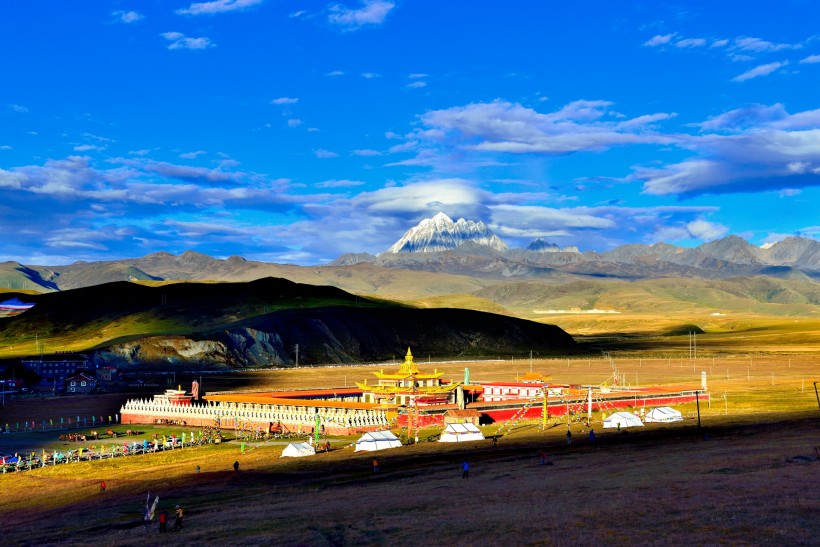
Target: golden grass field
{"x": 750, "y": 479}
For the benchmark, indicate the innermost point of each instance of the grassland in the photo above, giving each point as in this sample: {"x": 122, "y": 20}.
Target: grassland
{"x": 749, "y": 482}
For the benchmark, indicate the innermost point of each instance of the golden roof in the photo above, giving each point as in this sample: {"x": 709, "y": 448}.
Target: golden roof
{"x": 407, "y": 369}
{"x": 409, "y": 390}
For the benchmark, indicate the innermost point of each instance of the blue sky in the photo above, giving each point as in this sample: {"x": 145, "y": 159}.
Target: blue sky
{"x": 290, "y": 131}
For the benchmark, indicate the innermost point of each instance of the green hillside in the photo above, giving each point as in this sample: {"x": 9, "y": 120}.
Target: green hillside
{"x": 758, "y": 295}
{"x": 85, "y": 318}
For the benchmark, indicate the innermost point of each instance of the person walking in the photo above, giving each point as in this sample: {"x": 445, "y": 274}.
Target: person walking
{"x": 375, "y": 465}
{"x": 542, "y": 457}
{"x": 236, "y": 466}
{"x": 465, "y": 470}
{"x": 178, "y": 513}
{"x": 569, "y": 436}
{"x": 163, "y": 521}
{"x": 592, "y": 436}
{"x": 102, "y": 486}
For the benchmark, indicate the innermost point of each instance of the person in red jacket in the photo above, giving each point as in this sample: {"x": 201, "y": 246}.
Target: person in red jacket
{"x": 163, "y": 521}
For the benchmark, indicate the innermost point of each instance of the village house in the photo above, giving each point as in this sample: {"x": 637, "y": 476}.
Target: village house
{"x": 56, "y": 368}
{"x": 80, "y": 383}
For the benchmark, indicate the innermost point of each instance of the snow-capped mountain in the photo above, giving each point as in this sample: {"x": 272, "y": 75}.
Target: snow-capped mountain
{"x": 440, "y": 233}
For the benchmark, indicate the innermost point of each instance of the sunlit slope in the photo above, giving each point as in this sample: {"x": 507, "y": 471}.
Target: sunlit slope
{"x": 258, "y": 324}
{"x": 84, "y": 318}
{"x": 756, "y": 295}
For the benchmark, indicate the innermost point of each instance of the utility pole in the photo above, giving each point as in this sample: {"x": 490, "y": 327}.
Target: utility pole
{"x": 297, "y": 355}
{"x": 818, "y": 396}
{"x": 530, "y": 360}
{"x": 697, "y": 402}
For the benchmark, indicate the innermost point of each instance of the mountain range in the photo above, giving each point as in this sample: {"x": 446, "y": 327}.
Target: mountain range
{"x": 464, "y": 249}
{"x": 112, "y": 306}
{"x": 470, "y": 248}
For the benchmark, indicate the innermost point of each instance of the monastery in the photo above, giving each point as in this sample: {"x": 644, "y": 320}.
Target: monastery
{"x": 396, "y": 398}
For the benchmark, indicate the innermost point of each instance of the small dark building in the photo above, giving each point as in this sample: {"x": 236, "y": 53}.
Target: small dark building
{"x": 107, "y": 374}
{"x": 80, "y": 383}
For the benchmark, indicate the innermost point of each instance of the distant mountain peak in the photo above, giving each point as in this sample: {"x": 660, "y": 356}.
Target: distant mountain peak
{"x": 440, "y": 233}
{"x": 541, "y": 245}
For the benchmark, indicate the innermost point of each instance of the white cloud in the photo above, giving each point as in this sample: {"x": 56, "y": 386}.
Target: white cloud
{"x": 321, "y": 153}
{"x": 180, "y": 41}
{"x": 756, "y": 45}
{"x": 88, "y": 147}
{"x": 416, "y": 76}
{"x": 336, "y": 73}
{"x": 788, "y": 192}
{"x": 97, "y": 137}
{"x": 417, "y": 84}
{"x": 295, "y": 122}
{"x": 127, "y": 16}
{"x": 530, "y": 220}
{"x": 705, "y": 230}
{"x": 690, "y": 43}
{"x": 644, "y": 121}
{"x": 810, "y": 59}
{"x": 20, "y": 109}
{"x": 761, "y": 70}
{"x": 339, "y": 183}
{"x": 370, "y": 75}
{"x": 217, "y": 6}
{"x": 427, "y": 198}
{"x": 372, "y": 12}
{"x": 659, "y": 40}
{"x": 366, "y": 152}
{"x": 720, "y": 43}
{"x": 285, "y": 100}
{"x": 760, "y": 148}
{"x": 5, "y": 147}
{"x": 501, "y": 126}
{"x": 192, "y": 155}
{"x": 743, "y": 118}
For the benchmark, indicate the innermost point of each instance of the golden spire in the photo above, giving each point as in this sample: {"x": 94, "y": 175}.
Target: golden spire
{"x": 409, "y": 367}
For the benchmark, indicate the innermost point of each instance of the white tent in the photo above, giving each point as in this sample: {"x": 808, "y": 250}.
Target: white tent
{"x": 622, "y": 419}
{"x": 377, "y": 440}
{"x": 663, "y": 414}
{"x": 455, "y": 433}
{"x": 298, "y": 450}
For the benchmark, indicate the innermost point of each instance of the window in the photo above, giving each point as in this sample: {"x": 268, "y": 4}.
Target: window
{"x": 83, "y": 383}
{"x": 73, "y": 383}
